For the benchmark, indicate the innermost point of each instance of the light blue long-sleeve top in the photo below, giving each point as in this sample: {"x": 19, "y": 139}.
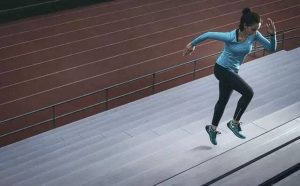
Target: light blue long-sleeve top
{"x": 234, "y": 52}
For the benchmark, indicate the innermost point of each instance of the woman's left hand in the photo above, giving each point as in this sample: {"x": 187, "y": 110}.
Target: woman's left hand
{"x": 271, "y": 29}
{"x": 188, "y": 49}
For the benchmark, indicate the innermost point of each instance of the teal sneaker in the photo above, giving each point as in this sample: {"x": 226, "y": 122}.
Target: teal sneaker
{"x": 236, "y": 129}
{"x": 212, "y": 134}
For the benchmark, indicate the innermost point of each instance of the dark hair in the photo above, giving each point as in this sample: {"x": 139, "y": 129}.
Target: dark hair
{"x": 249, "y": 18}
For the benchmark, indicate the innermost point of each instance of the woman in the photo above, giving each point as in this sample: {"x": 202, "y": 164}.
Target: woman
{"x": 238, "y": 43}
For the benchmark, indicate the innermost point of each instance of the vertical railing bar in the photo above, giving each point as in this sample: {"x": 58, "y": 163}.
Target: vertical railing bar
{"x": 194, "y": 70}
{"x": 153, "y": 83}
{"x": 255, "y": 46}
{"x": 282, "y": 40}
{"x": 106, "y": 99}
{"x": 54, "y": 117}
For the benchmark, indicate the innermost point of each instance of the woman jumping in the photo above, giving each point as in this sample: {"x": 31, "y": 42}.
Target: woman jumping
{"x": 238, "y": 43}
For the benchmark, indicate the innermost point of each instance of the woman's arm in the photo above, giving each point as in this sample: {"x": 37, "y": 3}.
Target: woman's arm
{"x": 269, "y": 45}
{"x": 220, "y": 36}
{"x": 271, "y": 29}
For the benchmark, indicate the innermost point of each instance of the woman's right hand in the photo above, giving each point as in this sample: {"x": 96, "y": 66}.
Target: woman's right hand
{"x": 271, "y": 29}
{"x": 188, "y": 49}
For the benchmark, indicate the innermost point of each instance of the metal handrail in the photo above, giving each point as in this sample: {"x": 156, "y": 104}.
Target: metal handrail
{"x": 53, "y": 106}
{"x": 288, "y": 30}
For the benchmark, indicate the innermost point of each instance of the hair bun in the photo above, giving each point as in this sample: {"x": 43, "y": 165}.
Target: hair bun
{"x": 246, "y": 11}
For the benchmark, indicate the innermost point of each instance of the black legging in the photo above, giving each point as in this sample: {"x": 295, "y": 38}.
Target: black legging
{"x": 229, "y": 81}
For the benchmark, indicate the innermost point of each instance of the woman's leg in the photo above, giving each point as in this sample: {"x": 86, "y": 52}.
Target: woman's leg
{"x": 229, "y": 81}
{"x": 238, "y": 84}
{"x": 225, "y": 92}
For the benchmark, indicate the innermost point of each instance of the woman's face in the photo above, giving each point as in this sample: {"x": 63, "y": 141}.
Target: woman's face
{"x": 250, "y": 30}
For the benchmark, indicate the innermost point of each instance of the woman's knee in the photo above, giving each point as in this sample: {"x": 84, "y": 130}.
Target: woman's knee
{"x": 249, "y": 93}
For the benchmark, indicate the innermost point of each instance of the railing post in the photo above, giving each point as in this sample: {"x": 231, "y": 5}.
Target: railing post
{"x": 106, "y": 99}
{"x": 194, "y": 70}
{"x": 255, "y": 43}
{"x": 53, "y": 116}
{"x": 153, "y": 83}
{"x": 282, "y": 47}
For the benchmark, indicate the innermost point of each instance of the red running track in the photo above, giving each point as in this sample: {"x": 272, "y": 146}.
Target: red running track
{"x": 21, "y": 87}
{"x": 94, "y": 67}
